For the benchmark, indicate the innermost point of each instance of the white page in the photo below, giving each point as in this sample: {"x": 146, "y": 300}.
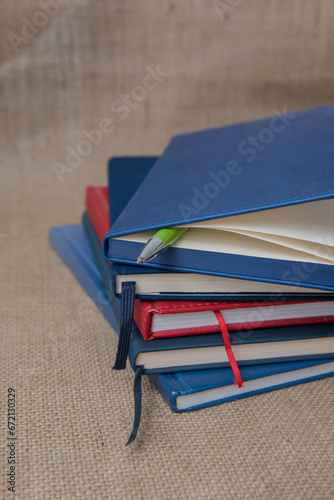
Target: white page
{"x": 166, "y": 322}
{"x": 202, "y": 283}
{"x": 311, "y": 221}
{"x": 324, "y": 251}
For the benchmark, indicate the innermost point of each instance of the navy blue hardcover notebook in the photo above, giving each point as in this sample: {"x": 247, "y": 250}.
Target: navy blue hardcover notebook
{"x": 189, "y": 390}
{"x": 186, "y": 391}
{"x": 257, "y": 198}
{"x": 125, "y": 175}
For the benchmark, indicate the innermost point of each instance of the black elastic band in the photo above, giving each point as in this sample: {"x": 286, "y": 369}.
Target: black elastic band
{"x": 127, "y": 304}
{"x": 137, "y": 398}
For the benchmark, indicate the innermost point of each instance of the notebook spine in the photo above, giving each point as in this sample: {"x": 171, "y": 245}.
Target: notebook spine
{"x": 97, "y": 205}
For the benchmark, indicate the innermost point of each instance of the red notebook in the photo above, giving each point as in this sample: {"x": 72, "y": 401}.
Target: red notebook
{"x": 97, "y": 204}
{"x": 161, "y": 319}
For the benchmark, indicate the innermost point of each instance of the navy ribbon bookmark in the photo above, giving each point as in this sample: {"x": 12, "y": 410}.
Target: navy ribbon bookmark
{"x": 137, "y": 398}
{"x": 127, "y": 305}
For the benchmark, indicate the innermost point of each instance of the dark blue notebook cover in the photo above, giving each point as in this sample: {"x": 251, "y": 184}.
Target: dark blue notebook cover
{"x": 257, "y": 379}
{"x": 72, "y": 245}
{"x": 125, "y": 175}
{"x": 296, "y": 166}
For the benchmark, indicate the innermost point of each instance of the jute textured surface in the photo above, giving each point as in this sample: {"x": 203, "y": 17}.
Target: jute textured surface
{"x": 155, "y": 69}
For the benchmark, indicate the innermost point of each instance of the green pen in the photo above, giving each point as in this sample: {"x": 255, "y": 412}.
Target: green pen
{"x": 162, "y": 240}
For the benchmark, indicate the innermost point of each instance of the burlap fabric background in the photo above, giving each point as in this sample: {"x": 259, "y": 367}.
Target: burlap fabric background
{"x": 221, "y": 62}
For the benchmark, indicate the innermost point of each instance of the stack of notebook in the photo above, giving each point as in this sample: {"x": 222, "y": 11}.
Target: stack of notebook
{"x": 246, "y": 295}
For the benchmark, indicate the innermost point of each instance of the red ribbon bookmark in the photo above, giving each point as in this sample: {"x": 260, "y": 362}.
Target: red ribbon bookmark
{"x": 228, "y": 348}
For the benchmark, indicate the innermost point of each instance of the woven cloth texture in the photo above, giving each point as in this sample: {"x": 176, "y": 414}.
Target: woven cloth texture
{"x": 155, "y": 68}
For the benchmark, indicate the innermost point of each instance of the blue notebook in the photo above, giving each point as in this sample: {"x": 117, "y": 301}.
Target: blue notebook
{"x": 257, "y": 198}
{"x": 125, "y": 175}
{"x": 189, "y": 390}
